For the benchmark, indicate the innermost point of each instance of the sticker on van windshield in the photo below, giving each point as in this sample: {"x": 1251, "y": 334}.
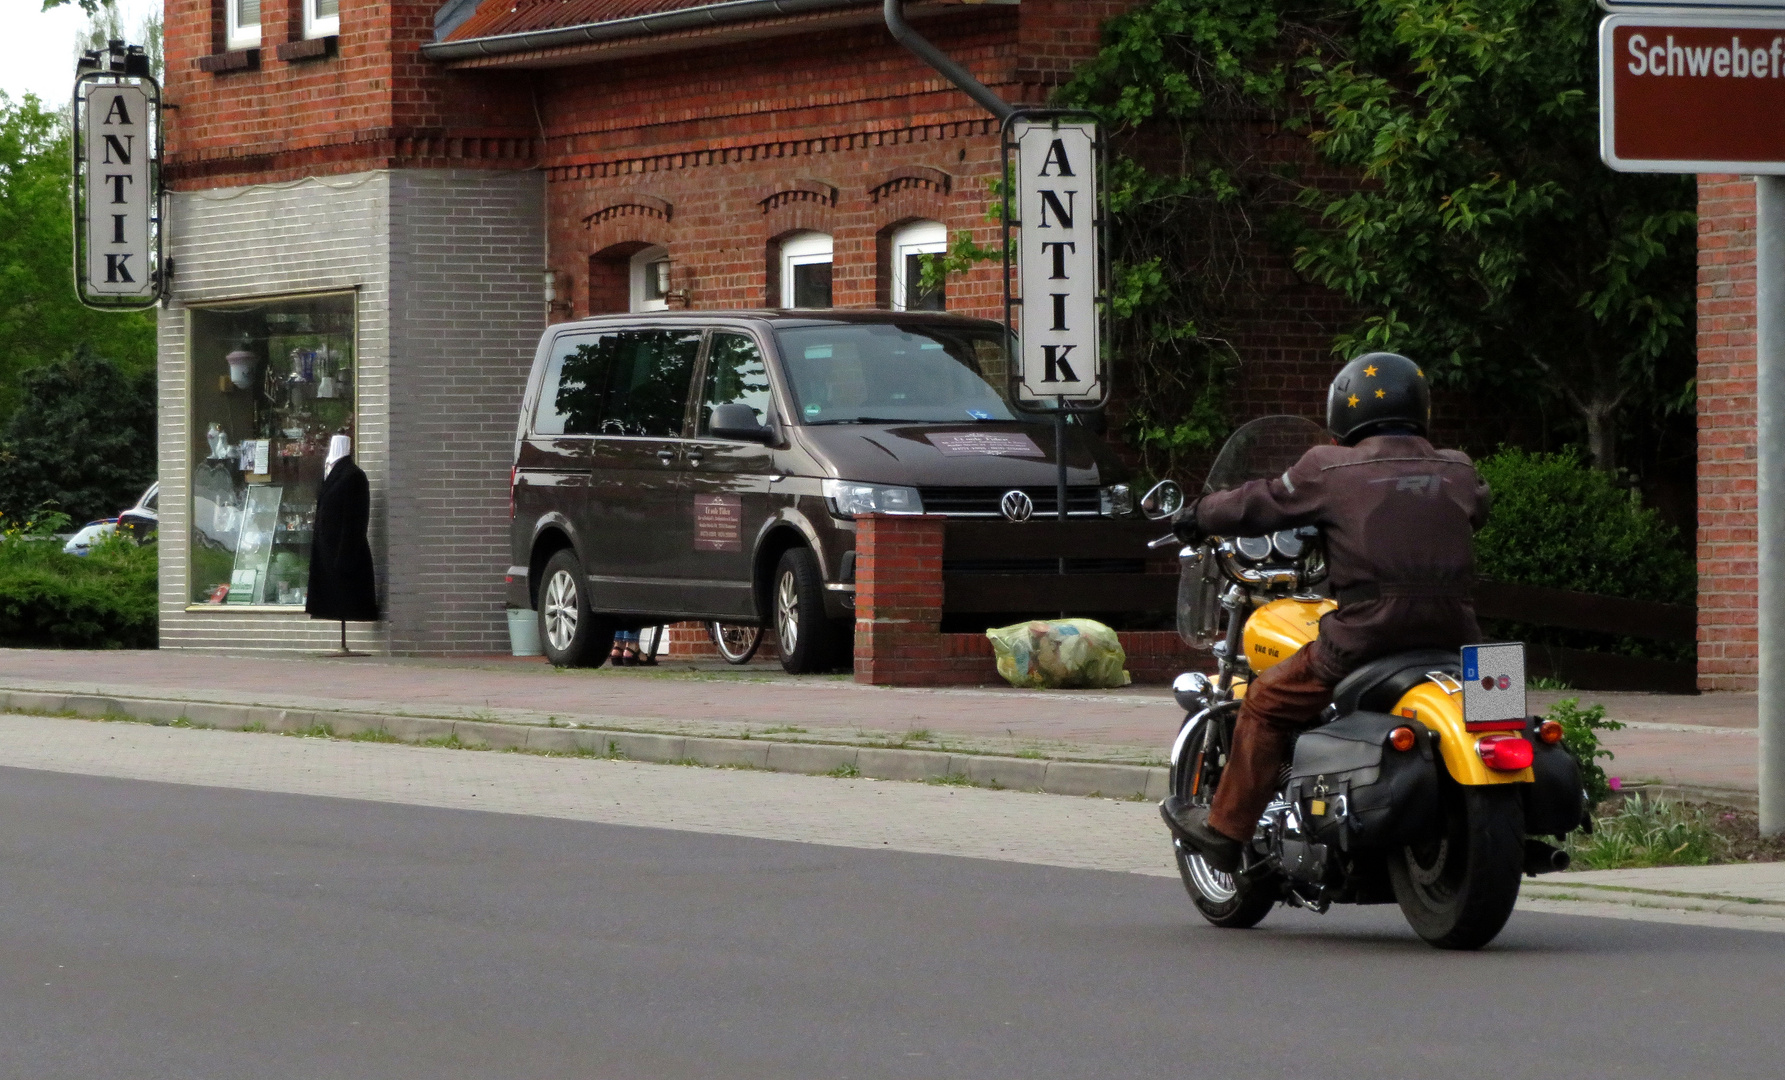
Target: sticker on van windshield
{"x": 979, "y": 414}
{"x": 813, "y": 410}
{"x": 818, "y": 352}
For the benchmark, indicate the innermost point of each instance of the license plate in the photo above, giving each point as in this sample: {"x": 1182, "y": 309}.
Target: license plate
{"x": 1493, "y": 683}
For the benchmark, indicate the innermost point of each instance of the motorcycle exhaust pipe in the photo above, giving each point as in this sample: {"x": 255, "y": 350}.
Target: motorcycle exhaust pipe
{"x": 1542, "y": 858}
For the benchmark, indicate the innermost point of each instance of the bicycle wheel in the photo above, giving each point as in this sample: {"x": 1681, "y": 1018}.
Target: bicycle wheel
{"x": 736, "y": 642}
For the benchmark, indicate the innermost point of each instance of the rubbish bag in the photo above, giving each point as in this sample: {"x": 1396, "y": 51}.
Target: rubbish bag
{"x": 1059, "y": 654}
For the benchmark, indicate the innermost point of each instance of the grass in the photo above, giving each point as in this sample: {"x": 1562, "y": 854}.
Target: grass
{"x": 1545, "y": 682}
{"x": 1644, "y": 832}
{"x": 784, "y": 729}
{"x": 845, "y": 771}
{"x": 378, "y": 735}
{"x": 452, "y": 742}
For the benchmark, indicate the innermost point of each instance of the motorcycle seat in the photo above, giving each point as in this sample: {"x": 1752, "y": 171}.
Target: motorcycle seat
{"x": 1377, "y": 685}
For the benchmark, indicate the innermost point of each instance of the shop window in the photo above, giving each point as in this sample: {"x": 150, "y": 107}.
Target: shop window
{"x": 650, "y": 280}
{"x": 633, "y": 382}
{"x": 242, "y": 23}
{"x": 806, "y": 271}
{"x": 321, "y": 18}
{"x": 272, "y": 381}
{"x": 735, "y": 375}
{"x": 909, "y": 245}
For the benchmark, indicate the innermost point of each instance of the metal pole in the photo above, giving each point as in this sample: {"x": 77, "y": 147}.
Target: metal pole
{"x": 1060, "y": 458}
{"x": 1769, "y": 422}
{"x": 953, "y": 72}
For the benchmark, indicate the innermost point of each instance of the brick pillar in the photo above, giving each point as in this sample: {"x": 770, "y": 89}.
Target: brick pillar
{"x": 1728, "y": 649}
{"x": 898, "y": 599}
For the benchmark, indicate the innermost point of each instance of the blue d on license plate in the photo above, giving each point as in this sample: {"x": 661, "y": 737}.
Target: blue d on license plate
{"x": 1493, "y": 683}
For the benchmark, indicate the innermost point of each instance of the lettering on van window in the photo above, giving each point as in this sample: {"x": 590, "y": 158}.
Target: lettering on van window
{"x": 994, "y": 443}
{"x": 718, "y": 521}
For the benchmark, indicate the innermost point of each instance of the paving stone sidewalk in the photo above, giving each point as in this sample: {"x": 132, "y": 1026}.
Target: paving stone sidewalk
{"x": 1704, "y": 744}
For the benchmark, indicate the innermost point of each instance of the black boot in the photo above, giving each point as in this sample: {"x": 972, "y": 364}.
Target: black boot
{"x": 1191, "y": 825}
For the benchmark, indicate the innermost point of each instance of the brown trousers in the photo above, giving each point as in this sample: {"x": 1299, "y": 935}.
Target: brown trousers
{"x": 1279, "y": 704}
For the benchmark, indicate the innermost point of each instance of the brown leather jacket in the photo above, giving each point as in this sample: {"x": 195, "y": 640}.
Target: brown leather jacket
{"x": 1399, "y": 519}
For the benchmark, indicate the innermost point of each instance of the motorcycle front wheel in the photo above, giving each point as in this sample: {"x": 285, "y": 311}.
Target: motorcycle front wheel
{"x": 1458, "y": 889}
{"x": 1224, "y": 900}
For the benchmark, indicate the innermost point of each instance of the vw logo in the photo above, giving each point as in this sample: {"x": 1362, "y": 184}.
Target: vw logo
{"x": 1016, "y": 506}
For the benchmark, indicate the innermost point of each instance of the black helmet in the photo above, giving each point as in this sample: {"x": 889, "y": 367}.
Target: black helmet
{"x": 1375, "y": 391}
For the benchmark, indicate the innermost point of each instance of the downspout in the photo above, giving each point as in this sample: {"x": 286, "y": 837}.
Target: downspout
{"x": 953, "y": 72}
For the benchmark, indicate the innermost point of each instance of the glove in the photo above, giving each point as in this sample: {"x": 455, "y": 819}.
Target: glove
{"x": 1184, "y": 526}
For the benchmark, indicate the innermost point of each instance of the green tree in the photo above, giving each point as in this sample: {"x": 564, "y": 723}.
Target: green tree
{"x": 40, "y": 318}
{"x": 82, "y": 440}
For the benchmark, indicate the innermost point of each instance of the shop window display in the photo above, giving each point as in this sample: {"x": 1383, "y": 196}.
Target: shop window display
{"x": 272, "y": 381}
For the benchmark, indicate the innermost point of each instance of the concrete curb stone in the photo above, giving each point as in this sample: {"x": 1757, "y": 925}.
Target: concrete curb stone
{"x": 1560, "y": 890}
{"x": 878, "y": 763}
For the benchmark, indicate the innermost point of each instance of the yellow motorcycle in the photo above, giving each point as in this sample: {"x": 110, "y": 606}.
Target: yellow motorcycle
{"x": 1424, "y": 784}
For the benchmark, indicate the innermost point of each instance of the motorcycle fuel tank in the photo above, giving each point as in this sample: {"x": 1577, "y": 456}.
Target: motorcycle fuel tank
{"x": 1278, "y": 629}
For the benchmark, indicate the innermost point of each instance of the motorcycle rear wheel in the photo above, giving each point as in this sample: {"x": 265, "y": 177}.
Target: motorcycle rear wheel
{"x": 1458, "y": 890}
{"x": 1224, "y": 900}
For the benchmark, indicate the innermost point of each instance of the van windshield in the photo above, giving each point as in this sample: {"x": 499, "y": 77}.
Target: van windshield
{"x": 867, "y": 373}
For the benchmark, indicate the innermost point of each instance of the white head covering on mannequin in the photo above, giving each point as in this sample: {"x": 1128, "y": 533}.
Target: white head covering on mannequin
{"x": 338, "y": 447}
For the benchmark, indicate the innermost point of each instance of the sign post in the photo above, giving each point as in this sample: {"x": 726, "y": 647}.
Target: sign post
{"x": 117, "y": 181}
{"x": 1053, "y": 165}
{"x": 1698, "y": 88}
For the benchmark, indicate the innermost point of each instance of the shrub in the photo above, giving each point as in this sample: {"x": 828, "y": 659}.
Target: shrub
{"x": 83, "y": 439}
{"x": 104, "y": 600}
{"x": 1580, "y": 737}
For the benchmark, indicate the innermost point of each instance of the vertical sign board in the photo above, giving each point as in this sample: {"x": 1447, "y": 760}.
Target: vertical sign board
{"x": 1058, "y": 253}
{"x": 117, "y": 195}
{"x": 1691, "y": 93}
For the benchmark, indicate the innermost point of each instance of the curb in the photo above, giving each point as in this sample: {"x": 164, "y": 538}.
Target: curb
{"x": 1083, "y": 778}
{"x": 1652, "y": 898}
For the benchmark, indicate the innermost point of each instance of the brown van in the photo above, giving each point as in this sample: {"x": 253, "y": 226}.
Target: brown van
{"x": 709, "y": 465}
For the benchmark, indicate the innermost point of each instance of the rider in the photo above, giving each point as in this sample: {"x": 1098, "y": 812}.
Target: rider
{"x": 1398, "y": 518}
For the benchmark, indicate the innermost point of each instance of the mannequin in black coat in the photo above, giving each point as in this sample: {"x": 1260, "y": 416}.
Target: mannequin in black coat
{"x": 341, "y": 585}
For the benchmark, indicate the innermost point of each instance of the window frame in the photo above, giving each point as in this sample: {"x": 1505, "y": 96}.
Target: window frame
{"x": 237, "y": 36}
{"x": 319, "y": 26}
{"x": 698, "y": 397}
{"x": 805, "y": 249}
{"x": 915, "y": 238}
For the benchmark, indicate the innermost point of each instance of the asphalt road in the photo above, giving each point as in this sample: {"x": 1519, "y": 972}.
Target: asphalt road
{"x": 170, "y": 931}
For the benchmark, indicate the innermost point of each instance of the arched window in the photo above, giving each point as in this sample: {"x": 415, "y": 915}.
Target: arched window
{"x": 649, "y": 280}
{"x": 910, "y": 243}
{"x": 806, "y": 270}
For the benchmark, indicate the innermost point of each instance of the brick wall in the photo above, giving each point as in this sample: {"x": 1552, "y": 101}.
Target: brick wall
{"x": 1728, "y": 649}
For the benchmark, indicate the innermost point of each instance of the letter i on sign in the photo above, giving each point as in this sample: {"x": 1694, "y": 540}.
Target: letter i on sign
{"x": 1057, "y": 260}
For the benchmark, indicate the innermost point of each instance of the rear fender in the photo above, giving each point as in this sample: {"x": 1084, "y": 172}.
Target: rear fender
{"x": 1441, "y": 709}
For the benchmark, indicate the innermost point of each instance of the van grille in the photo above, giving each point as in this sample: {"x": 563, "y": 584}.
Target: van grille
{"x": 985, "y": 501}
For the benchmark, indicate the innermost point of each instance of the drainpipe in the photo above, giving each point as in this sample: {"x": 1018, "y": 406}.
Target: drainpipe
{"x": 953, "y": 72}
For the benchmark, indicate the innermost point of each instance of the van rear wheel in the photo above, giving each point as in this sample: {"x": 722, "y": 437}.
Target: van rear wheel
{"x": 802, "y": 632}
{"x": 570, "y": 634}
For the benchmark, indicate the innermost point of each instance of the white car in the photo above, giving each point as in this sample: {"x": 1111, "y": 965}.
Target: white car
{"x": 82, "y": 542}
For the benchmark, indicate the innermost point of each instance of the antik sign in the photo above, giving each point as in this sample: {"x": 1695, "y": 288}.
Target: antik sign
{"x": 1057, "y": 256}
{"x": 116, "y": 257}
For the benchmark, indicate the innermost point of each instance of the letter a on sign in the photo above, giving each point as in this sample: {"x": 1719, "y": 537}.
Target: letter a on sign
{"x": 1058, "y": 221}
{"x": 118, "y": 192}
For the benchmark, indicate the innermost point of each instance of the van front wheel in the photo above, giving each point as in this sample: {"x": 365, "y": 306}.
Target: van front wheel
{"x": 801, "y": 631}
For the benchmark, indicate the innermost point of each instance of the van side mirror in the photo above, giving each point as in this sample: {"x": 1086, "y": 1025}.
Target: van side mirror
{"x": 738, "y": 421}
{"x": 1166, "y": 499}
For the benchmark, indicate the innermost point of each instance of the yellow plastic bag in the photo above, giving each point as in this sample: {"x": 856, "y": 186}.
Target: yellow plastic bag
{"x": 1059, "y": 654}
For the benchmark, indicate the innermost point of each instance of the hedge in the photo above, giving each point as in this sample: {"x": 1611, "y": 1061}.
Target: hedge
{"x": 104, "y": 600}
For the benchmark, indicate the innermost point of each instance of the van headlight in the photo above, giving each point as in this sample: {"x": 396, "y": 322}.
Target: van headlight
{"x": 1117, "y": 500}
{"x": 850, "y": 499}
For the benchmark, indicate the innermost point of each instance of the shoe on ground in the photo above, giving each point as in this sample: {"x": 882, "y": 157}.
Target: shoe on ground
{"x": 1190, "y": 824}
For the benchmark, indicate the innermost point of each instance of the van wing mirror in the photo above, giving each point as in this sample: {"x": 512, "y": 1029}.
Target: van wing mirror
{"x": 1166, "y": 499}
{"x": 738, "y": 421}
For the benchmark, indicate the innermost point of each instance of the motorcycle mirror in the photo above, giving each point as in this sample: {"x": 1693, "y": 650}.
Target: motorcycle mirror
{"x": 1166, "y": 499}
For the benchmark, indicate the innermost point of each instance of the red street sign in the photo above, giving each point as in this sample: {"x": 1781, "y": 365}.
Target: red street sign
{"x": 1692, "y": 94}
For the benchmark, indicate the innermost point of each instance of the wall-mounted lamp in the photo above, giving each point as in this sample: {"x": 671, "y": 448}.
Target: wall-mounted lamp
{"x": 550, "y": 280}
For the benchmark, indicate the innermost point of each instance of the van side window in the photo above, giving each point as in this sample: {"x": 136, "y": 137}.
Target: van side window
{"x": 735, "y": 374}
{"x": 570, "y": 393}
{"x": 647, "y": 381}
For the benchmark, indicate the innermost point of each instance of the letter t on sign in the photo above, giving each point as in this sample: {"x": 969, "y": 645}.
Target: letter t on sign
{"x": 1057, "y": 217}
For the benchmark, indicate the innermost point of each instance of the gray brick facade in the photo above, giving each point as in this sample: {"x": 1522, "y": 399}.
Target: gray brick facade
{"x": 445, "y": 265}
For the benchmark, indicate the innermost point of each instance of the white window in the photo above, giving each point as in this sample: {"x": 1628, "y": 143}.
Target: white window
{"x": 243, "y": 29}
{"x": 321, "y": 18}
{"x": 909, "y": 245}
{"x": 806, "y": 270}
{"x": 650, "y": 280}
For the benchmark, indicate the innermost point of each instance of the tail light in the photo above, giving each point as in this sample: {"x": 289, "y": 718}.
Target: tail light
{"x": 1549, "y": 732}
{"x": 1506, "y": 753}
{"x": 1401, "y": 738}
{"x": 514, "y": 473}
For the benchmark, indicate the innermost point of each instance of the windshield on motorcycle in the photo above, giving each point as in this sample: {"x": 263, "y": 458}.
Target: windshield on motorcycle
{"x": 1263, "y": 450}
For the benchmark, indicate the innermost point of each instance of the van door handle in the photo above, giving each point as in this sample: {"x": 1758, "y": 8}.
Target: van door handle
{"x": 694, "y": 459}
{"x": 666, "y": 457}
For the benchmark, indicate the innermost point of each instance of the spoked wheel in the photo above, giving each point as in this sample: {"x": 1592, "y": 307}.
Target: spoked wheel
{"x": 573, "y": 636}
{"x": 1458, "y": 890}
{"x": 802, "y": 632}
{"x": 1235, "y": 903}
{"x": 736, "y": 642}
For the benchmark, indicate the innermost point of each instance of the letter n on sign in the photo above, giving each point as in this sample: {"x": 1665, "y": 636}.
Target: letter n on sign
{"x": 1057, "y": 253}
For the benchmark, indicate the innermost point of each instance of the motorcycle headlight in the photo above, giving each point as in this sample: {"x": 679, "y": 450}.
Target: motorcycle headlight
{"x": 1117, "y": 500}
{"x": 849, "y": 499}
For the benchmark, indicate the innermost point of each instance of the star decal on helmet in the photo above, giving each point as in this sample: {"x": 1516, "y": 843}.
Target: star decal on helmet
{"x": 1382, "y": 393}
{"x": 1370, "y": 372}
{"x": 1353, "y": 401}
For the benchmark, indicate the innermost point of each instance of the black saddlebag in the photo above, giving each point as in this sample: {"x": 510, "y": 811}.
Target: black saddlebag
{"x": 1556, "y": 802}
{"x": 1353, "y": 789}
